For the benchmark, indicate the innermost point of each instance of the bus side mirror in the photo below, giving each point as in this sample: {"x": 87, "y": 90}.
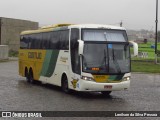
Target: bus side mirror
{"x": 80, "y": 47}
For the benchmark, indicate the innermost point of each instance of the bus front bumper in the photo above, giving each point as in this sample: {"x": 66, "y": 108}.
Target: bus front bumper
{"x": 94, "y": 86}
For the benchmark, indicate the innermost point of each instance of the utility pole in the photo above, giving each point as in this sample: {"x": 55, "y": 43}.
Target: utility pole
{"x": 156, "y": 35}
{"x": 0, "y": 29}
{"x": 121, "y": 24}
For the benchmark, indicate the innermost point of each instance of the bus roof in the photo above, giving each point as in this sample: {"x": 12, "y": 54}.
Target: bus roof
{"x": 68, "y": 26}
{"x": 96, "y": 26}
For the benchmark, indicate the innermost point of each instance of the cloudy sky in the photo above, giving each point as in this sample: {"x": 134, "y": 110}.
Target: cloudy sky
{"x": 135, "y": 14}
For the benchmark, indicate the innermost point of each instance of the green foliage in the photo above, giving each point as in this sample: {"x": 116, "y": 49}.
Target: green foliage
{"x": 13, "y": 53}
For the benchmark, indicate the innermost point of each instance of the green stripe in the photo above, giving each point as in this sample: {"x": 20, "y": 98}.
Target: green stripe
{"x": 115, "y": 77}
{"x": 49, "y": 63}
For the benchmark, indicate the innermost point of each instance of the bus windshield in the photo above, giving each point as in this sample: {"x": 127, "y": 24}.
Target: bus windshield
{"x": 105, "y": 51}
{"x": 106, "y": 58}
{"x": 104, "y": 35}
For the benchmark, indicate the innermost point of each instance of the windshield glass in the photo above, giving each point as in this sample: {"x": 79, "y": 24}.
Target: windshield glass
{"x": 104, "y": 35}
{"x": 106, "y": 58}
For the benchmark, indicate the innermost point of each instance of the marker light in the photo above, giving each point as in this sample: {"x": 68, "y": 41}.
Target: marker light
{"x": 96, "y": 69}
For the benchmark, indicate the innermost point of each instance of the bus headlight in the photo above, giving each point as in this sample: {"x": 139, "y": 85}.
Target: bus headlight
{"x": 87, "y": 78}
{"x": 126, "y": 78}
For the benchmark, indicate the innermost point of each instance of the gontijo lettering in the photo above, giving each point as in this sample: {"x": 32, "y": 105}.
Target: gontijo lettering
{"x": 36, "y": 55}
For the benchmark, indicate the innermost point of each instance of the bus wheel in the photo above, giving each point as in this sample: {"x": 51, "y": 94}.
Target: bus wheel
{"x": 27, "y": 78}
{"x": 106, "y": 93}
{"x": 31, "y": 80}
{"x": 64, "y": 84}
{"x": 27, "y": 75}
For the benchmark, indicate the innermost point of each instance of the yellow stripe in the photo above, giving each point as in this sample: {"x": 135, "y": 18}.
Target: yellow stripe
{"x": 101, "y": 78}
{"x": 104, "y": 79}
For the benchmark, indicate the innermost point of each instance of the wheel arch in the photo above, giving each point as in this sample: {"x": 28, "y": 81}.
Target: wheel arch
{"x": 65, "y": 83}
{"x": 62, "y": 76}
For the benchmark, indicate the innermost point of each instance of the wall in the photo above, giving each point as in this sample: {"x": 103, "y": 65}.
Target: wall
{"x": 3, "y": 52}
{"x": 11, "y": 29}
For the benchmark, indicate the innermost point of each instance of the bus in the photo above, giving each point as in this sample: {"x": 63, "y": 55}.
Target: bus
{"x": 80, "y": 57}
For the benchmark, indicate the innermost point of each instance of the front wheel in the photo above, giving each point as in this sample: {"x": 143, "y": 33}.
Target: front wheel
{"x": 106, "y": 93}
{"x": 64, "y": 85}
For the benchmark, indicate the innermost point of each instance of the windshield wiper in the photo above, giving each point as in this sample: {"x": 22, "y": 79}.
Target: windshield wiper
{"x": 104, "y": 62}
{"x": 115, "y": 62}
{"x": 105, "y": 59}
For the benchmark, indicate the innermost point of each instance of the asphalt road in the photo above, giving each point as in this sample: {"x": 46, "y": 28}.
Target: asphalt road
{"x": 18, "y": 95}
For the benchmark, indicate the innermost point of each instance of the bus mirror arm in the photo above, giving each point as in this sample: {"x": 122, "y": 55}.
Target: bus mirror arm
{"x": 80, "y": 47}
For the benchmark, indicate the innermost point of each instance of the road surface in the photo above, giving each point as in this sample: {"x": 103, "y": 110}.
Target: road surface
{"x": 18, "y": 95}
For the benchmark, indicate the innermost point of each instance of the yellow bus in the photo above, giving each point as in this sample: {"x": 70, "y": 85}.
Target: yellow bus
{"x": 82, "y": 57}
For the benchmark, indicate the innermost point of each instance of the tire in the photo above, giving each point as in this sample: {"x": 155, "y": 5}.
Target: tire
{"x": 106, "y": 93}
{"x": 27, "y": 76}
{"x": 31, "y": 79}
{"x": 64, "y": 85}
{"x": 27, "y": 79}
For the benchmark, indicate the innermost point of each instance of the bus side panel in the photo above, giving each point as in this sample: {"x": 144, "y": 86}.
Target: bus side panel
{"x": 49, "y": 65}
{"x": 31, "y": 59}
{"x": 60, "y": 65}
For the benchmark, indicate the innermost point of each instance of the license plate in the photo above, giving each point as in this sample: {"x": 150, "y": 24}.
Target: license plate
{"x": 108, "y": 87}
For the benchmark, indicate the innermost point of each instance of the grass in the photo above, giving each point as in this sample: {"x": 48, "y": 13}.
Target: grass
{"x": 147, "y": 48}
{"x": 142, "y": 47}
{"x": 148, "y": 67}
{"x": 148, "y": 45}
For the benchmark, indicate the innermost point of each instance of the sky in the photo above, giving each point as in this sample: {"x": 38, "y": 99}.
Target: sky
{"x": 135, "y": 14}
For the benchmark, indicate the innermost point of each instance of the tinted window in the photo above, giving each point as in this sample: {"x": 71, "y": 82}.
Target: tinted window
{"x": 64, "y": 40}
{"x": 75, "y": 60}
{"x": 54, "y": 40}
{"x": 46, "y": 37}
{"x": 49, "y": 40}
{"x": 32, "y": 41}
{"x": 38, "y": 41}
{"x": 23, "y": 42}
